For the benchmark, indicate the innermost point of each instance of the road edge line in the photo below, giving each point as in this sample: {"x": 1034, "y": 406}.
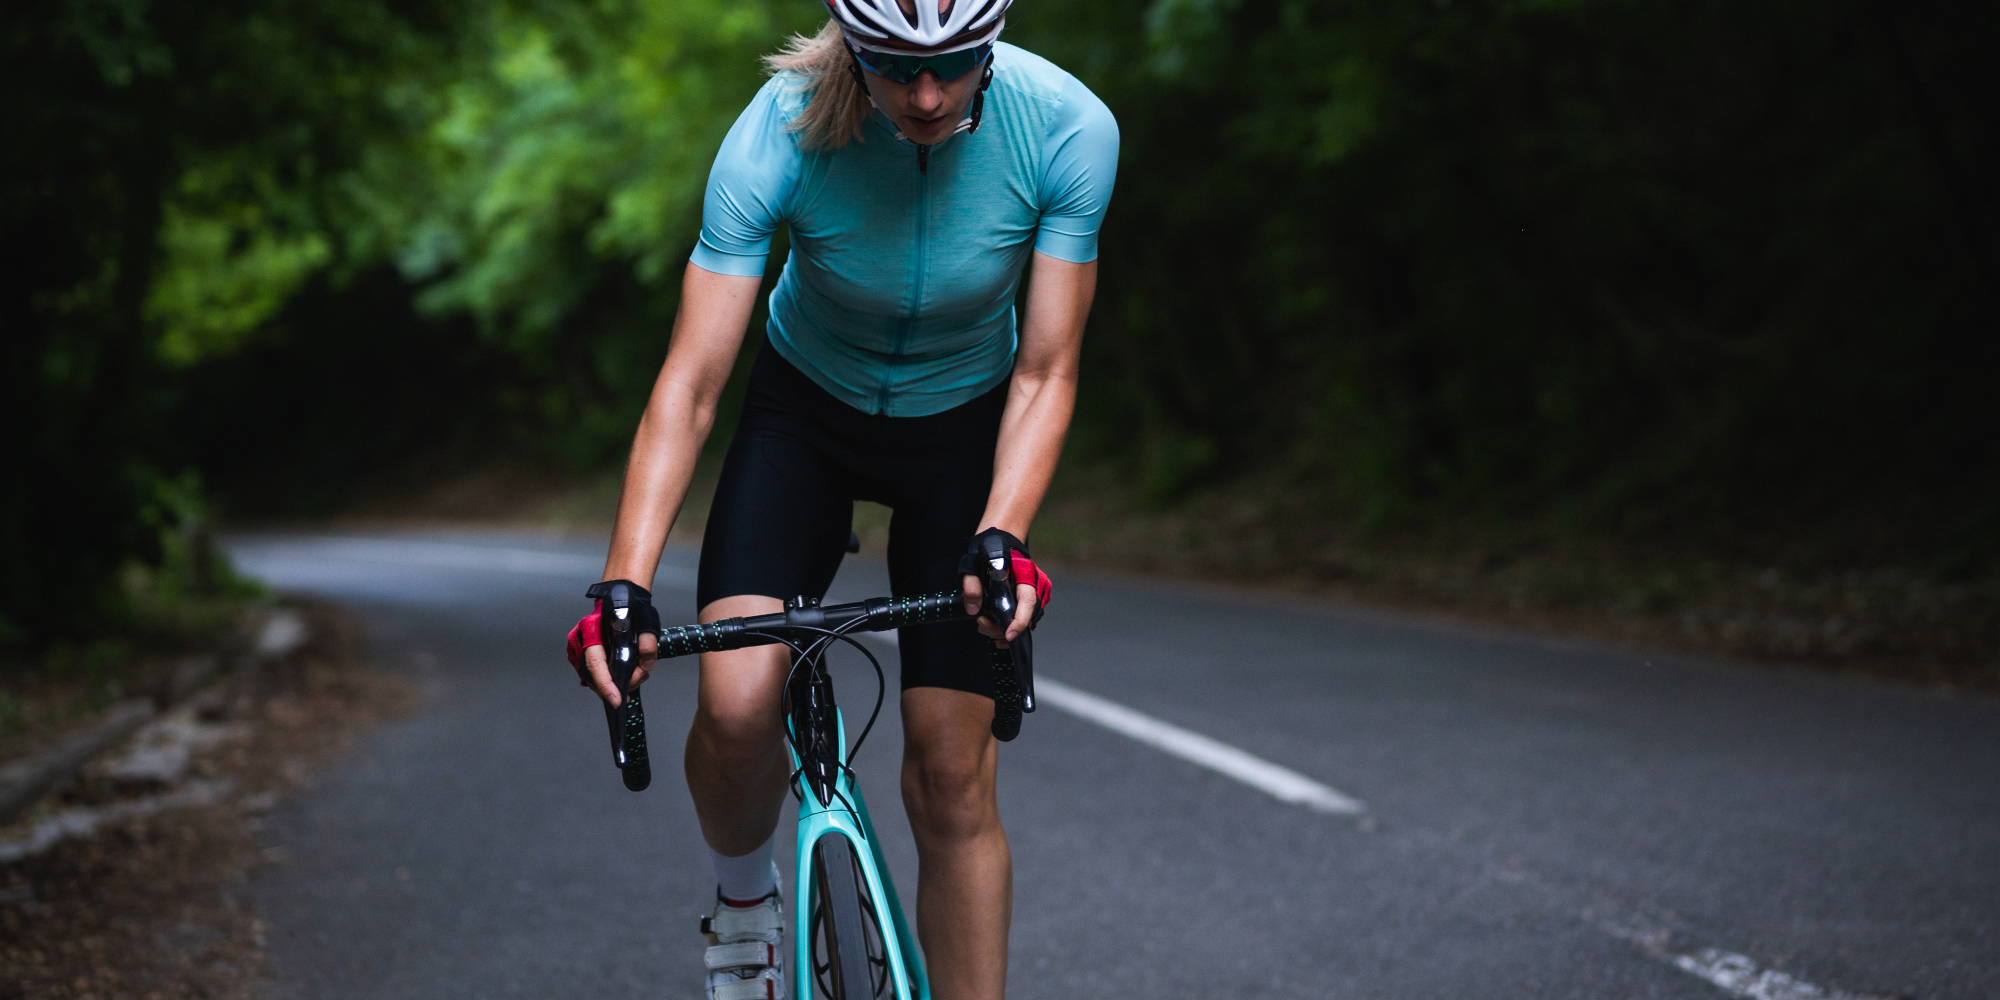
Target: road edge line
{"x": 1279, "y": 782}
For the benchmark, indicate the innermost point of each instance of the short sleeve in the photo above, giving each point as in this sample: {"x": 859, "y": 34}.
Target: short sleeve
{"x": 750, "y": 186}
{"x": 1079, "y": 164}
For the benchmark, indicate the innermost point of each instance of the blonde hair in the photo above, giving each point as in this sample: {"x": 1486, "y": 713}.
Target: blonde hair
{"x": 838, "y": 104}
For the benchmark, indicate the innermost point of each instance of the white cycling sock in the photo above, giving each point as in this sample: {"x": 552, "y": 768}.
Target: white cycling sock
{"x": 750, "y": 877}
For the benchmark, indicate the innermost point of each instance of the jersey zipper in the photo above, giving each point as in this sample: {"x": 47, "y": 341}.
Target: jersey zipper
{"x": 917, "y": 285}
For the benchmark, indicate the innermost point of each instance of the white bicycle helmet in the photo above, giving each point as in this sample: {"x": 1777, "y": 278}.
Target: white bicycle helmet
{"x": 881, "y": 24}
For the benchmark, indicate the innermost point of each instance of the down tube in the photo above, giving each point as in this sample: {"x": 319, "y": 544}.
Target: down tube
{"x": 816, "y": 821}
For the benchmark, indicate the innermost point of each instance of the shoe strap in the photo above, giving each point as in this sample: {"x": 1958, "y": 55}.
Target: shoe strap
{"x": 762, "y": 988}
{"x": 746, "y": 921}
{"x": 750, "y": 954}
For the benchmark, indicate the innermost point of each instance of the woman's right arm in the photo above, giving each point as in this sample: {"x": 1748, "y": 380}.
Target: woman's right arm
{"x": 708, "y": 332}
{"x": 743, "y": 206}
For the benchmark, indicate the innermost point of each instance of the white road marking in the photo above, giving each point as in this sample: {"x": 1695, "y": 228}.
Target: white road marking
{"x": 1281, "y": 783}
{"x": 450, "y": 555}
{"x": 1736, "y": 975}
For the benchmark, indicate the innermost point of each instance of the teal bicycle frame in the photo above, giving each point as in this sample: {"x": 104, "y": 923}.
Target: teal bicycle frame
{"x": 842, "y": 813}
{"x": 846, "y": 815}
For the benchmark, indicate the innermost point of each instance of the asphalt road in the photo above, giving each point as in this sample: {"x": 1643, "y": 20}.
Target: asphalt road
{"x": 1541, "y": 819}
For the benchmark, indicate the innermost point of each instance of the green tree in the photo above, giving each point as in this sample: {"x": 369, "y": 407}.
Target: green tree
{"x": 1706, "y": 270}
{"x": 556, "y": 191}
{"x": 167, "y": 177}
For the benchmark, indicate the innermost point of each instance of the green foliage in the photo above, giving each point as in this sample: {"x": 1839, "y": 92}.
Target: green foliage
{"x": 1709, "y": 272}
{"x": 223, "y": 275}
{"x": 166, "y": 180}
{"x": 588, "y": 131}
{"x": 1716, "y": 271}
{"x": 214, "y": 190}
{"x": 560, "y": 189}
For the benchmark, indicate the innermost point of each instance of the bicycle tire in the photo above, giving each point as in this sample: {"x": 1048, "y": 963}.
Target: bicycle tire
{"x": 845, "y": 925}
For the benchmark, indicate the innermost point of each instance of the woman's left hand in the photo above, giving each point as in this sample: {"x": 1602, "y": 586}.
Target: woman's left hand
{"x": 1025, "y": 603}
{"x": 1032, "y": 589}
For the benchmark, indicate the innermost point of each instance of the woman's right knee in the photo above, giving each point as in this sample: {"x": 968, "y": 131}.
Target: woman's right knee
{"x": 738, "y": 728}
{"x": 737, "y": 711}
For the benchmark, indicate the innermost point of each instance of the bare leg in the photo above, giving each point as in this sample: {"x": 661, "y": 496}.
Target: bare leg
{"x": 735, "y": 760}
{"x": 965, "y": 875}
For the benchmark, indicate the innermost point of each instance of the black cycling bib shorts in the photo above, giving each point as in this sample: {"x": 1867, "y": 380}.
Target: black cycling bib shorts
{"x": 785, "y": 504}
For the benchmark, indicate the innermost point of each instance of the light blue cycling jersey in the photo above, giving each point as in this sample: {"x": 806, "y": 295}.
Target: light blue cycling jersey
{"x": 898, "y": 296}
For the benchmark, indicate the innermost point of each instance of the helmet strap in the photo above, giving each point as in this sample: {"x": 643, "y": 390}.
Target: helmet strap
{"x": 979, "y": 99}
{"x": 854, "y": 70}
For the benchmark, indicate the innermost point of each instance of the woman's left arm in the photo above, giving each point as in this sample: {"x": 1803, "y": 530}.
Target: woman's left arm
{"x": 1039, "y": 401}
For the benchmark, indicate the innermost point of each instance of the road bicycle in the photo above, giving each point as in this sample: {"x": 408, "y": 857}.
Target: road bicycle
{"x": 851, "y": 941}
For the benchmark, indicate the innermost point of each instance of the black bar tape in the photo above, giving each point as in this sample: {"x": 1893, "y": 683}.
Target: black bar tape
{"x": 939, "y": 607}
{"x": 883, "y": 613}
{"x": 687, "y": 640}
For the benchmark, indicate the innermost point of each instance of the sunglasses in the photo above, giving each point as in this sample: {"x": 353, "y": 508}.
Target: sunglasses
{"x": 899, "y": 68}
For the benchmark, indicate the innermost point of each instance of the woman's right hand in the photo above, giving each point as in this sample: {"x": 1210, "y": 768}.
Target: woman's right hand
{"x": 593, "y": 668}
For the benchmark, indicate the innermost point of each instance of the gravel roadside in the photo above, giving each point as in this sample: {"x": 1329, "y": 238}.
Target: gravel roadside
{"x": 137, "y": 891}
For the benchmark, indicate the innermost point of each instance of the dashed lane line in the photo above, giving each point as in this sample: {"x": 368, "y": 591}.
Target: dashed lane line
{"x": 1740, "y": 976}
{"x": 1734, "y": 974}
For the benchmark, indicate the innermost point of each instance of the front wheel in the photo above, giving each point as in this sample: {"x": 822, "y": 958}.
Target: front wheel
{"x": 849, "y": 961}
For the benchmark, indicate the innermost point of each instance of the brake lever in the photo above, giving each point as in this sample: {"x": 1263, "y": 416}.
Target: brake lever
{"x": 620, "y": 628}
{"x": 997, "y": 589}
{"x": 994, "y": 583}
{"x": 1023, "y": 648}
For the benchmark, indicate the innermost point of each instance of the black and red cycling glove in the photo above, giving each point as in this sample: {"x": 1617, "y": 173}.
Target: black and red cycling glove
{"x": 589, "y": 630}
{"x": 1022, "y": 568}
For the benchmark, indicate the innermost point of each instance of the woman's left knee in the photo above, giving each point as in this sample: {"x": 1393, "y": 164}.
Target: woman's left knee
{"x": 949, "y": 763}
{"x": 949, "y": 798}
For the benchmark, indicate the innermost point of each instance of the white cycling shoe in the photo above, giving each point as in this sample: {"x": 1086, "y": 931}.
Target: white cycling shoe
{"x": 746, "y": 950}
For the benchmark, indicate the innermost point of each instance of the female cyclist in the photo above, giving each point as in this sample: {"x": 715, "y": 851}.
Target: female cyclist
{"x": 920, "y": 164}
